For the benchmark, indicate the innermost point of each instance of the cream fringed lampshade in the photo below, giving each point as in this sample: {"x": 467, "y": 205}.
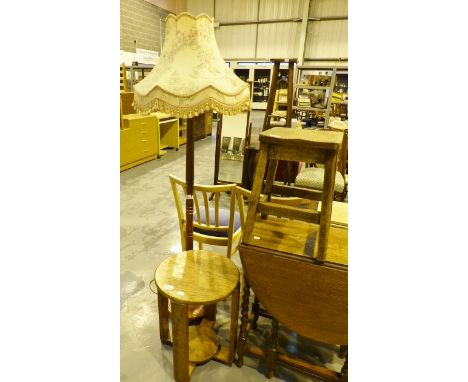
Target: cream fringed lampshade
{"x": 191, "y": 76}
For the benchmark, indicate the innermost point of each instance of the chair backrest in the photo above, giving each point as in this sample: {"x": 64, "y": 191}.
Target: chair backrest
{"x": 310, "y": 299}
{"x": 207, "y": 218}
{"x": 342, "y": 157}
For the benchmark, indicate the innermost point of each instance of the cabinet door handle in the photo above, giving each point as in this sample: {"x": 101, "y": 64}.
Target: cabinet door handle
{"x": 144, "y": 140}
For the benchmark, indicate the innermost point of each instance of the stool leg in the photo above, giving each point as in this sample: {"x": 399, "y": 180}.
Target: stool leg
{"x": 241, "y": 343}
{"x": 256, "y": 190}
{"x": 180, "y": 342}
{"x": 327, "y": 202}
{"x": 270, "y": 178}
{"x": 163, "y": 311}
{"x": 272, "y": 167}
{"x": 234, "y": 323}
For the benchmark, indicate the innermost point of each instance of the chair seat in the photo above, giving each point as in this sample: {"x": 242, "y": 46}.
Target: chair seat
{"x": 312, "y": 177}
{"x": 223, "y": 221}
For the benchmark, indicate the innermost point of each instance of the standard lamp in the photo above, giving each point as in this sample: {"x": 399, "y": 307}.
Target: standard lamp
{"x": 189, "y": 79}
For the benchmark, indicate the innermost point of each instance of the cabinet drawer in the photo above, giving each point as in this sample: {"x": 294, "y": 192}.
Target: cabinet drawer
{"x": 135, "y": 121}
{"x": 139, "y": 135}
{"x": 134, "y": 148}
{"x": 132, "y": 153}
{"x": 142, "y": 128}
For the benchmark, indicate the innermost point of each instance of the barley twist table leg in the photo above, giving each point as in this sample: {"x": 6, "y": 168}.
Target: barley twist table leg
{"x": 241, "y": 343}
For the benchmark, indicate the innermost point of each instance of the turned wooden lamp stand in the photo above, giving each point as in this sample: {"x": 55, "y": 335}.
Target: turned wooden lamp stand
{"x": 191, "y": 78}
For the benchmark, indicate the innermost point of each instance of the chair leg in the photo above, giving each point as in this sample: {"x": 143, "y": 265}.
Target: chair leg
{"x": 271, "y": 354}
{"x": 242, "y": 340}
{"x": 345, "y": 192}
{"x": 343, "y": 351}
{"x": 344, "y": 371}
{"x": 210, "y": 312}
{"x": 200, "y": 245}
{"x": 182, "y": 241}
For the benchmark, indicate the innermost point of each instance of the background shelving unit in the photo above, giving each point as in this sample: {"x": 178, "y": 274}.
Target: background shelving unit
{"x": 259, "y": 73}
{"x": 137, "y": 73}
{"x": 339, "y": 103}
{"x": 243, "y": 74}
{"x": 313, "y": 93}
{"x": 261, "y": 87}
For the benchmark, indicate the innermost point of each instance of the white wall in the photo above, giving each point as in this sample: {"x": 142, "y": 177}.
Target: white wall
{"x": 324, "y": 39}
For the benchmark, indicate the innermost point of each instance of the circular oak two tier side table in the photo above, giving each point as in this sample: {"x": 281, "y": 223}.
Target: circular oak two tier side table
{"x": 189, "y": 278}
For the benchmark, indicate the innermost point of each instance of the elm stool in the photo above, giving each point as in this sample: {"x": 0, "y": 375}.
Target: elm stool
{"x": 188, "y": 278}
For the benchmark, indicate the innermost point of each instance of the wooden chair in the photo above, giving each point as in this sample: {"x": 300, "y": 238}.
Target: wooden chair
{"x": 211, "y": 224}
{"x": 312, "y": 177}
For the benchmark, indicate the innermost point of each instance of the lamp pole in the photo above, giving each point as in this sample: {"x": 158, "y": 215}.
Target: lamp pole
{"x": 189, "y": 179}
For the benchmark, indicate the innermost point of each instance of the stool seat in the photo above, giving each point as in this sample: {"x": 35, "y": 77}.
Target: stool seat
{"x": 197, "y": 277}
{"x": 310, "y": 138}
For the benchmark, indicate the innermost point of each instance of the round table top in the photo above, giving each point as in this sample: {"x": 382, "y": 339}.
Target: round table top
{"x": 197, "y": 277}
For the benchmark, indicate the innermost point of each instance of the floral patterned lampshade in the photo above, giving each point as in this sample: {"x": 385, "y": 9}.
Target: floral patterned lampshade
{"x": 191, "y": 76}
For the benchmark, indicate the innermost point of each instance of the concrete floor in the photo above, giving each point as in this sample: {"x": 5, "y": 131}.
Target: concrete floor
{"x": 149, "y": 234}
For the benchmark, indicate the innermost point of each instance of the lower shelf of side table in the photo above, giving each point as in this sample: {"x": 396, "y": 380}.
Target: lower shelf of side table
{"x": 203, "y": 343}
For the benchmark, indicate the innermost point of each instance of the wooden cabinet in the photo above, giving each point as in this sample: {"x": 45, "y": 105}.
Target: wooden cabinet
{"x": 182, "y": 131}
{"x": 143, "y": 138}
{"x": 168, "y": 132}
{"x": 138, "y": 140}
{"x": 203, "y": 125}
{"x": 126, "y": 99}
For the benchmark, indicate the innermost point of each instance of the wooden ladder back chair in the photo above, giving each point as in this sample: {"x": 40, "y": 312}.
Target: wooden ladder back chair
{"x": 294, "y": 145}
{"x": 123, "y": 78}
{"x": 211, "y": 224}
{"x": 274, "y": 87}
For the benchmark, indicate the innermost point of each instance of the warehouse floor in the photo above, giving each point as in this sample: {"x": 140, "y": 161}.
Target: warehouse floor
{"x": 149, "y": 234}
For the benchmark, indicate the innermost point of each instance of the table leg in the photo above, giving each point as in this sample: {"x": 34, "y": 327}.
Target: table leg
{"x": 180, "y": 341}
{"x": 234, "y": 323}
{"x": 272, "y": 352}
{"x": 244, "y": 321}
{"x": 163, "y": 311}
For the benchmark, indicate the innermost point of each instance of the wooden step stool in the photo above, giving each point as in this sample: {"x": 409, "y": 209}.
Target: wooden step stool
{"x": 310, "y": 146}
